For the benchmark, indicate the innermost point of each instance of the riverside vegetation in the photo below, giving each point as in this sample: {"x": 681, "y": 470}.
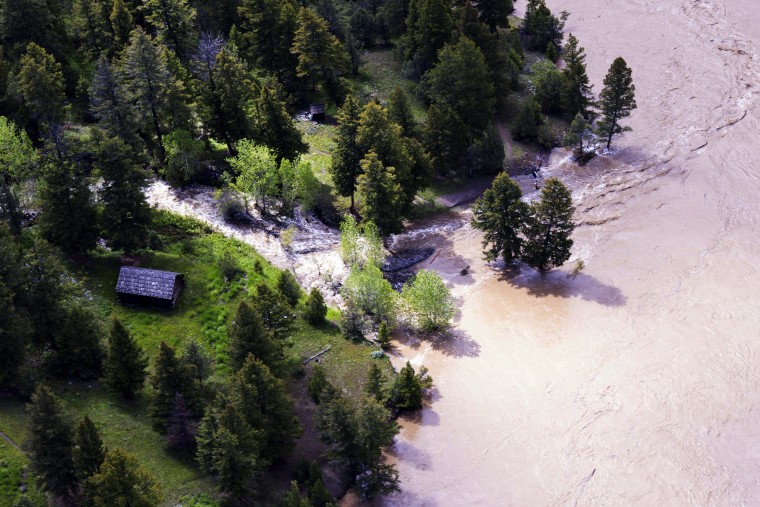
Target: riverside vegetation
{"x": 95, "y": 98}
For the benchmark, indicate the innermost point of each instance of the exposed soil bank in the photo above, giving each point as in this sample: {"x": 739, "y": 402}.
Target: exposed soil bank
{"x": 636, "y": 382}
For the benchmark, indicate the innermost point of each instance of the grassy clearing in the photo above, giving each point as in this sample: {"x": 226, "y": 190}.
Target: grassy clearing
{"x": 204, "y": 311}
{"x": 381, "y": 74}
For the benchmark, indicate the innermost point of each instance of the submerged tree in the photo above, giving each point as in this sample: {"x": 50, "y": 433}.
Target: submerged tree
{"x": 500, "y": 214}
{"x": 548, "y": 230}
{"x": 579, "y": 131}
{"x": 428, "y": 301}
{"x": 616, "y": 100}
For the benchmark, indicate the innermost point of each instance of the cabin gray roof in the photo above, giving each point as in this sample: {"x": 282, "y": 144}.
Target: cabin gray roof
{"x": 317, "y": 109}
{"x": 147, "y": 282}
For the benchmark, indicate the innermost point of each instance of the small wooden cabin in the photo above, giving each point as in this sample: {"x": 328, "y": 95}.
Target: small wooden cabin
{"x": 317, "y": 112}
{"x": 149, "y": 287}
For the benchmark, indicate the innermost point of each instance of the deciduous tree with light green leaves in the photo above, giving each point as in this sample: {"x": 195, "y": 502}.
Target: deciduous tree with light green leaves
{"x": 16, "y": 152}
{"x": 369, "y": 291}
{"x": 428, "y": 302}
{"x": 257, "y": 171}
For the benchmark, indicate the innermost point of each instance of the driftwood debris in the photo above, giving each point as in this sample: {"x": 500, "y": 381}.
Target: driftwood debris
{"x": 317, "y": 354}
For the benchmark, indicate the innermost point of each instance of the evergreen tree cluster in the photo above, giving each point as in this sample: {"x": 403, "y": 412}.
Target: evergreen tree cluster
{"x": 537, "y": 233}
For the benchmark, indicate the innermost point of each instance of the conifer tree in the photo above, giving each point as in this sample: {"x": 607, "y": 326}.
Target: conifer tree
{"x": 276, "y": 313}
{"x": 268, "y": 27}
{"x": 68, "y": 216}
{"x": 126, "y": 216}
{"x": 375, "y": 384}
{"x": 347, "y": 156}
{"x": 578, "y": 132}
{"x": 170, "y": 377}
{"x": 248, "y": 335}
{"x": 428, "y": 28}
{"x": 316, "y": 309}
{"x": 226, "y": 93}
{"x": 92, "y": 27}
{"x": 273, "y": 126}
{"x": 443, "y": 136}
{"x": 500, "y": 214}
{"x": 288, "y": 286}
{"x": 25, "y": 21}
{"x": 76, "y": 345}
{"x": 462, "y": 82}
{"x": 109, "y": 103}
{"x": 266, "y": 407}
{"x": 495, "y": 13}
{"x": 528, "y": 120}
{"x": 577, "y": 97}
{"x": 14, "y": 328}
{"x": 147, "y": 79}
{"x": 616, "y": 100}
{"x": 228, "y": 447}
{"x": 321, "y": 56}
{"x": 318, "y": 387}
{"x": 406, "y": 392}
{"x": 401, "y": 113}
{"x": 384, "y": 334}
{"x": 40, "y": 86}
{"x": 122, "y": 481}
{"x": 50, "y": 445}
{"x": 88, "y": 453}
{"x": 199, "y": 360}
{"x": 125, "y": 364}
{"x": 293, "y": 497}
{"x": 382, "y": 195}
{"x": 542, "y": 26}
{"x": 122, "y": 23}
{"x": 379, "y": 134}
{"x": 174, "y": 23}
{"x": 548, "y": 230}
{"x": 181, "y": 425}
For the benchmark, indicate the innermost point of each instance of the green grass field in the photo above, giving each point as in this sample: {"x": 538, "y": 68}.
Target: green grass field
{"x": 203, "y": 313}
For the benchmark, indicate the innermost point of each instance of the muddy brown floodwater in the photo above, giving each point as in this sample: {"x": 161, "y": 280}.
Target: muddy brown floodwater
{"x": 636, "y": 382}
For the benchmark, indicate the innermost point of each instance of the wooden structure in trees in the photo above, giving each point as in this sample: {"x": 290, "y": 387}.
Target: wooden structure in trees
{"x": 152, "y": 287}
{"x": 317, "y": 112}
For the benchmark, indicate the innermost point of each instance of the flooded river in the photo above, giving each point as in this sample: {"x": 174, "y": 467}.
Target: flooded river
{"x": 635, "y": 382}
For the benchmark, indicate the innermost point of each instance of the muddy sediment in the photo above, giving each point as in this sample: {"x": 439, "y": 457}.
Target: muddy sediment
{"x": 635, "y": 382}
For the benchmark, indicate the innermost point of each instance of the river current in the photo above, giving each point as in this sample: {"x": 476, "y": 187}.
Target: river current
{"x": 635, "y": 382}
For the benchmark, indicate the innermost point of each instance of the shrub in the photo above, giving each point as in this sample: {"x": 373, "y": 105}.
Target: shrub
{"x": 288, "y": 286}
{"x": 316, "y": 309}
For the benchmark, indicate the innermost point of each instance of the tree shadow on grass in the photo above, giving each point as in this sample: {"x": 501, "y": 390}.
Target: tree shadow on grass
{"x": 562, "y": 284}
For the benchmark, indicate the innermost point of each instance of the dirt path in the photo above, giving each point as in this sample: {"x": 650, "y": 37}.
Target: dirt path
{"x": 10, "y": 441}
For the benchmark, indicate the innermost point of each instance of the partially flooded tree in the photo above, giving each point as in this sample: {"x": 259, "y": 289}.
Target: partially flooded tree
{"x": 500, "y": 214}
{"x": 428, "y": 301}
{"x": 616, "y": 100}
{"x": 548, "y": 230}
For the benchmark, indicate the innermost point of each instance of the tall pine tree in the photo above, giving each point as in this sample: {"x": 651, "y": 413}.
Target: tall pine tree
{"x": 616, "y": 100}
{"x": 577, "y": 97}
{"x": 89, "y": 452}
{"x": 126, "y": 362}
{"x": 548, "y": 230}
{"x": 51, "y": 443}
{"x": 348, "y": 154}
